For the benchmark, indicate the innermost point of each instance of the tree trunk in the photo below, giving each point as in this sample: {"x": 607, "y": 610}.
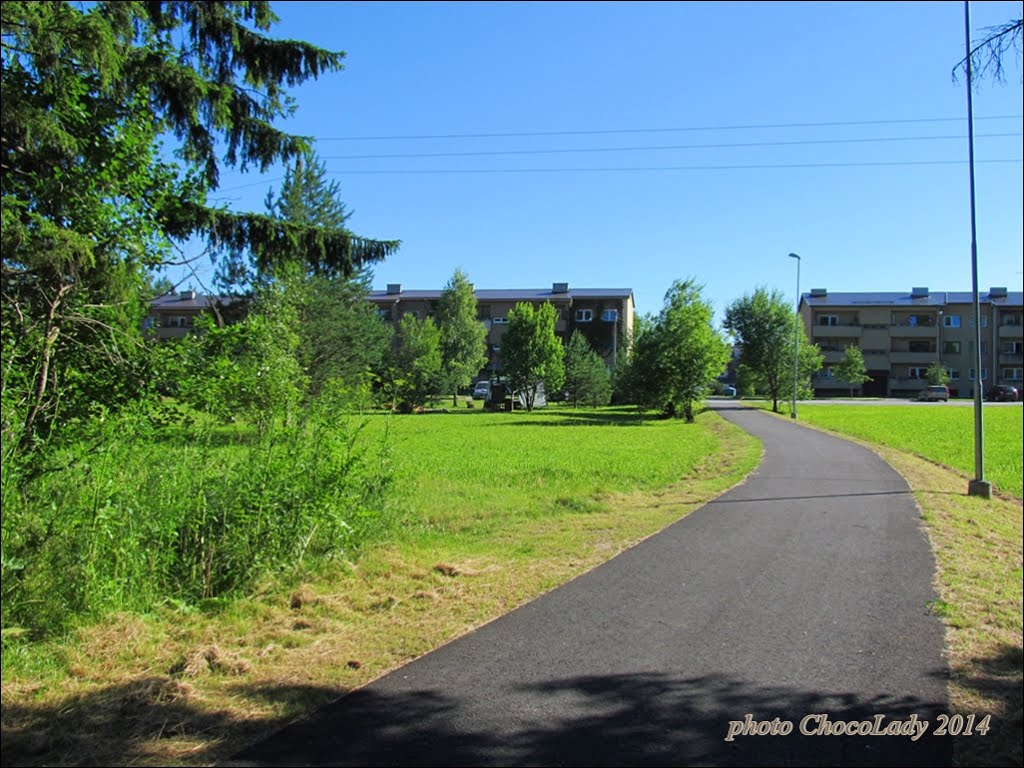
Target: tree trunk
{"x": 46, "y": 354}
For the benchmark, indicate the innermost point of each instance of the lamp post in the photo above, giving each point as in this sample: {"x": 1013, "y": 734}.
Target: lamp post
{"x": 796, "y": 337}
{"x": 979, "y": 486}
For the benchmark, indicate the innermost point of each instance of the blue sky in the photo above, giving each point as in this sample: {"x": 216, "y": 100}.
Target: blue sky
{"x": 762, "y": 78}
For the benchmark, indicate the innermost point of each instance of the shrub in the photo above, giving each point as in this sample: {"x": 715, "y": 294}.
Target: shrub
{"x": 144, "y": 513}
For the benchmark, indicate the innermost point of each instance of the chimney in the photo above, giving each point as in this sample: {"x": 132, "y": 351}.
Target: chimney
{"x": 394, "y": 289}
{"x": 997, "y": 293}
{"x": 188, "y": 295}
{"x": 559, "y": 287}
{"x": 919, "y": 293}
{"x": 819, "y": 293}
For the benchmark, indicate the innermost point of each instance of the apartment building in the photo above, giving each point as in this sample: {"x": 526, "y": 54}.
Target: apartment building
{"x": 902, "y": 334}
{"x": 173, "y": 315}
{"x": 603, "y": 316}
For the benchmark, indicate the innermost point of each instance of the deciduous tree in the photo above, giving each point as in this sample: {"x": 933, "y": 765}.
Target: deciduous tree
{"x": 463, "y": 336}
{"x": 852, "y": 369}
{"x": 763, "y": 324}
{"x": 531, "y": 353}
{"x": 680, "y": 354}
{"x": 417, "y": 361}
{"x": 937, "y": 374}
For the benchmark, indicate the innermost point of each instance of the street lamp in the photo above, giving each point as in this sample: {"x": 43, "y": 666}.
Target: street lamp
{"x": 979, "y": 486}
{"x": 796, "y": 337}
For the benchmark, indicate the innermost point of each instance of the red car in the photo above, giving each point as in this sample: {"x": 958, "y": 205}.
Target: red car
{"x": 1004, "y": 393}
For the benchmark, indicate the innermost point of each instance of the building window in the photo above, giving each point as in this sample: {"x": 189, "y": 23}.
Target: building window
{"x": 984, "y": 374}
{"x": 1014, "y": 320}
{"x": 921, "y": 346}
{"x": 1012, "y": 374}
{"x": 951, "y": 321}
{"x": 178, "y": 321}
{"x": 584, "y": 315}
{"x": 951, "y": 347}
{"x": 913, "y": 321}
{"x": 384, "y": 314}
{"x": 953, "y": 373}
{"x": 610, "y": 315}
{"x": 828, "y": 319}
{"x": 917, "y": 373}
{"x": 415, "y": 313}
{"x": 1010, "y": 347}
{"x": 148, "y": 323}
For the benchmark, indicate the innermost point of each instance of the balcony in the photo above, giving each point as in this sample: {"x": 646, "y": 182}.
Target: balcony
{"x": 905, "y": 382}
{"x": 913, "y": 331}
{"x": 1011, "y": 331}
{"x": 1011, "y": 357}
{"x": 171, "y": 333}
{"x": 913, "y": 358}
{"x": 835, "y": 332}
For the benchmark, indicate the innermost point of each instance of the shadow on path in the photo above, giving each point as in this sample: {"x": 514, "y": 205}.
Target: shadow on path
{"x": 621, "y": 719}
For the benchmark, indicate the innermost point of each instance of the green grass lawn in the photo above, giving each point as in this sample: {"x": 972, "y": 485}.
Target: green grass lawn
{"x": 485, "y": 511}
{"x": 473, "y": 471}
{"x": 939, "y": 433}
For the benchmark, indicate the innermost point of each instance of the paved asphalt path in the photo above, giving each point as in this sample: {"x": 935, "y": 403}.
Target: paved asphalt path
{"x": 803, "y": 591}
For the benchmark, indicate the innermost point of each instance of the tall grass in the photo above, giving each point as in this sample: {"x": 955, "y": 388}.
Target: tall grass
{"x": 142, "y": 513}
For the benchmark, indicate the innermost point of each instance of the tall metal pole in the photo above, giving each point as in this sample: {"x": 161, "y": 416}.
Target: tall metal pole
{"x": 978, "y": 486}
{"x": 796, "y": 337}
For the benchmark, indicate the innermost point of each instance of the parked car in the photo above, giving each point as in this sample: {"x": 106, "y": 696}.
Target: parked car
{"x": 1004, "y": 393}
{"x": 481, "y": 390}
{"x": 935, "y": 392}
{"x": 729, "y": 391}
{"x": 501, "y": 398}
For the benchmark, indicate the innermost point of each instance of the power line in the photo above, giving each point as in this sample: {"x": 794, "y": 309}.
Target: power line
{"x": 613, "y": 169}
{"x": 509, "y": 134}
{"x": 668, "y": 167}
{"x": 738, "y": 145}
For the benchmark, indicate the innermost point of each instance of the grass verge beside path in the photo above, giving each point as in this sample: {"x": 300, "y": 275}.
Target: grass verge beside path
{"x": 978, "y": 549}
{"x": 938, "y": 432}
{"x": 977, "y": 546}
{"x": 496, "y": 509}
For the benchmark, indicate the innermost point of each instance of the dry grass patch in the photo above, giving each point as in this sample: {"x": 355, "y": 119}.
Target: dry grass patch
{"x": 978, "y": 548}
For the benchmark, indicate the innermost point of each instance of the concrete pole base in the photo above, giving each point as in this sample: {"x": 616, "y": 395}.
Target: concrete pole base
{"x": 982, "y": 488}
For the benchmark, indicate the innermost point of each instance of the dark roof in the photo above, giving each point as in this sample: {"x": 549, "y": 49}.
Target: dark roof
{"x": 512, "y": 294}
{"x": 191, "y": 301}
{"x": 933, "y": 299}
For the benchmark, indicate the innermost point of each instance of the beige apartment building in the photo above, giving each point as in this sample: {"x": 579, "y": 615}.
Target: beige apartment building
{"x": 902, "y": 334}
{"x": 603, "y": 316}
